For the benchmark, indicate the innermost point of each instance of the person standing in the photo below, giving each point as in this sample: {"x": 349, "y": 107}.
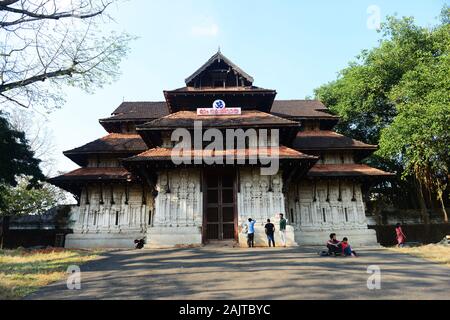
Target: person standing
{"x": 251, "y": 233}
{"x": 283, "y": 223}
{"x": 401, "y": 238}
{"x": 270, "y": 230}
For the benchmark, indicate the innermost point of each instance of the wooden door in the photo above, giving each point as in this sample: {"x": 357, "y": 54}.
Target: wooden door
{"x": 220, "y": 197}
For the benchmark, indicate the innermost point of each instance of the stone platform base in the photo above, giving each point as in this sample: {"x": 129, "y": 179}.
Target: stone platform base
{"x": 102, "y": 240}
{"x": 356, "y": 238}
{"x": 169, "y": 237}
{"x": 261, "y": 238}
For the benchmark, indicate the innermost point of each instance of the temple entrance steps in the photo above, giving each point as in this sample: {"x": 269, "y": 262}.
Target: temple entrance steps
{"x": 222, "y": 244}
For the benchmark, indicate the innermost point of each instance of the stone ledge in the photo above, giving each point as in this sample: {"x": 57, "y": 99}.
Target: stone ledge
{"x": 171, "y": 237}
{"x": 102, "y": 240}
{"x": 356, "y": 237}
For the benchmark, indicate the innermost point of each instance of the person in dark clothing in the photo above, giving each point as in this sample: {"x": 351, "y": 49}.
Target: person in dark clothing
{"x": 270, "y": 230}
{"x": 334, "y": 246}
{"x": 139, "y": 243}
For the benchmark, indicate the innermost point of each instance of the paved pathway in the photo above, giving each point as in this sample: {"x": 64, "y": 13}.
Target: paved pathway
{"x": 259, "y": 273}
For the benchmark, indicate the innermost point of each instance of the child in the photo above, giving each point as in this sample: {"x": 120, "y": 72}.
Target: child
{"x": 347, "y": 249}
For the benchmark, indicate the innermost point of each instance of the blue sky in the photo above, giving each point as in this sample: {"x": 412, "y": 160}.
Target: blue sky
{"x": 288, "y": 45}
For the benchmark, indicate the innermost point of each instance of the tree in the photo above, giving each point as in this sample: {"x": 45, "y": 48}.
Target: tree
{"x": 396, "y": 95}
{"x": 16, "y": 156}
{"x": 39, "y": 135}
{"x": 25, "y": 199}
{"x": 419, "y": 135}
{"x": 47, "y": 44}
{"x": 16, "y": 159}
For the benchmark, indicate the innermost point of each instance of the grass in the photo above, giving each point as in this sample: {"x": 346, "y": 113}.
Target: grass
{"x": 24, "y": 271}
{"x": 432, "y": 252}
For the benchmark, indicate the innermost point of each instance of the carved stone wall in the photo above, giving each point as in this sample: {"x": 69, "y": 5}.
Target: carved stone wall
{"x": 110, "y": 216}
{"x": 178, "y": 214}
{"x": 261, "y": 198}
{"x": 318, "y": 208}
{"x": 113, "y": 216}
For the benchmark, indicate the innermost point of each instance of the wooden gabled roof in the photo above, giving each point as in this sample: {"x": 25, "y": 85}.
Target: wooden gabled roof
{"x": 217, "y": 58}
{"x": 165, "y": 154}
{"x": 186, "y": 119}
{"x": 145, "y": 109}
{"x": 93, "y": 174}
{"x": 114, "y": 143}
{"x": 328, "y": 140}
{"x": 301, "y": 109}
{"x": 346, "y": 170}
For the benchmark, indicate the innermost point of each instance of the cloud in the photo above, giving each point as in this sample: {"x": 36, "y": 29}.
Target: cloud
{"x": 210, "y": 30}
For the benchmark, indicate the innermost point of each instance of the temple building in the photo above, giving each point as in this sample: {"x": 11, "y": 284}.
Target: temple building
{"x": 130, "y": 185}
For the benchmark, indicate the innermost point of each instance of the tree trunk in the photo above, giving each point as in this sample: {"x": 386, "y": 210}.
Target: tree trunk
{"x": 4, "y": 230}
{"x": 443, "y": 208}
{"x": 423, "y": 207}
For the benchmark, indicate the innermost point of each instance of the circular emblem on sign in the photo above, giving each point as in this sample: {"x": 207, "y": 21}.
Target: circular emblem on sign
{"x": 219, "y": 104}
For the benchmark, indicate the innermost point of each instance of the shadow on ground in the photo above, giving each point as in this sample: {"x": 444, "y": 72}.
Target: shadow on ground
{"x": 258, "y": 273}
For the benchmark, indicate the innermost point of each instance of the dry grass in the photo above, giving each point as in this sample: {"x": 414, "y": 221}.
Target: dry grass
{"x": 24, "y": 271}
{"x": 432, "y": 252}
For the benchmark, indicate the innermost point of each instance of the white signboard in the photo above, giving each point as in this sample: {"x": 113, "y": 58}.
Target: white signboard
{"x": 218, "y": 108}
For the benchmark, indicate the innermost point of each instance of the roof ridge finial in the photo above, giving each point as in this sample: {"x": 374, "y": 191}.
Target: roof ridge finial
{"x": 218, "y": 50}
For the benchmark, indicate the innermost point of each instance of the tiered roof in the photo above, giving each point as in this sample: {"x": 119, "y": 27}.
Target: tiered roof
{"x": 112, "y": 144}
{"x": 94, "y": 174}
{"x": 165, "y": 154}
{"x": 301, "y": 109}
{"x": 218, "y": 78}
{"x": 136, "y": 112}
{"x": 289, "y": 109}
{"x": 316, "y": 141}
{"x": 217, "y": 64}
{"x": 75, "y": 180}
{"x": 345, "y": 170}
{"x": 151, "y": 131}
{"x": 186, "y": 119}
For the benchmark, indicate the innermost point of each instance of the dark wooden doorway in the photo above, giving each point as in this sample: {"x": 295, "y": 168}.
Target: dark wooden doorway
{"x": 220, "y": 218}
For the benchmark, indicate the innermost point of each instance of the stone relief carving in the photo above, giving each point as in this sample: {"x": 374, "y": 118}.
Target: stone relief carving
{"x": 255, "y": 200}
{"x": 94, "y": 216}
{"x": 327, "y": 215}
{"x": 178, "y": 203}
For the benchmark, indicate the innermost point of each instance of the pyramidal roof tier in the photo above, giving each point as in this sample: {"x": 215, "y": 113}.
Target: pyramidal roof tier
{"x": 247, "y": 119}
{"x": 151, "y": 132}
{"x": 216, "y": 68}
{"x": 219, "y": 78}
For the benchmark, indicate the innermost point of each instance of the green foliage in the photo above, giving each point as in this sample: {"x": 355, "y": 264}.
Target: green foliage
{"x": 397, "y": 95}
{"x": 26, "y": 199}
{"x": 16, "y": 157}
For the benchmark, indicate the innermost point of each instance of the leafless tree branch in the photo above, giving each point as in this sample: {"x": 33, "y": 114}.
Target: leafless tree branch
{"x": 46, "y": 43}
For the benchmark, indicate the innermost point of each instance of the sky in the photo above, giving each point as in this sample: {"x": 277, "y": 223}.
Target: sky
{"x": 291, "y": 46}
